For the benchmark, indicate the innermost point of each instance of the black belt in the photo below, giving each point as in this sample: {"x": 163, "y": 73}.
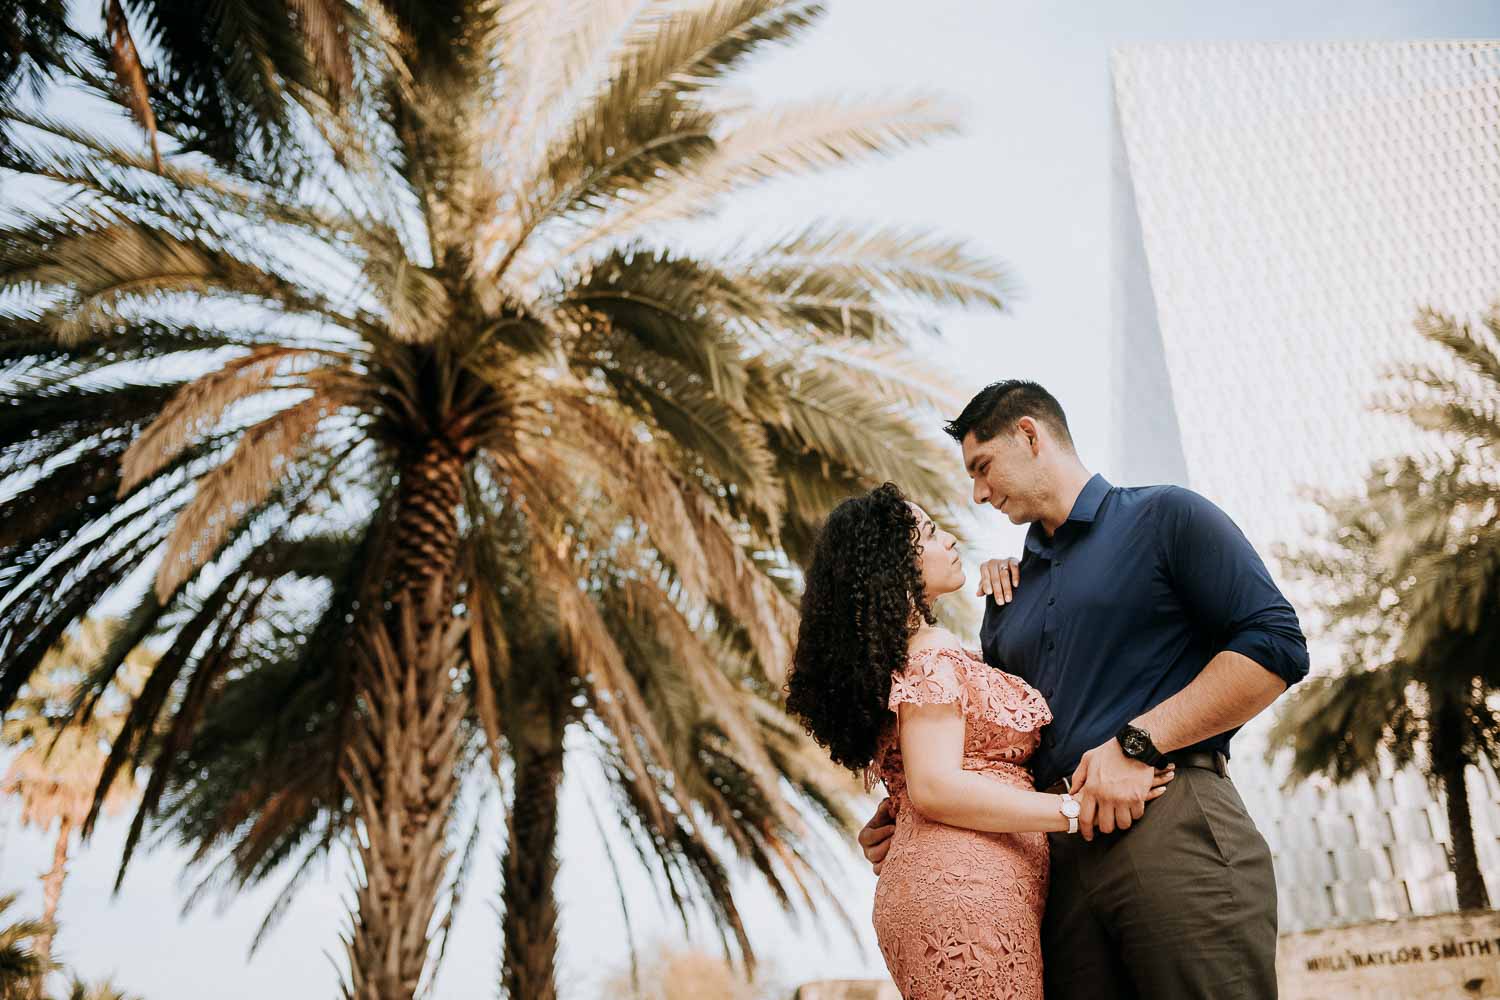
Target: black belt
{"x": 1208, "y": 760}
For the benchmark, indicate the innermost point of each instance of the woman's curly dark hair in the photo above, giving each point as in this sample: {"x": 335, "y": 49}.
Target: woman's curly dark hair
{"x": 861, "y": 588}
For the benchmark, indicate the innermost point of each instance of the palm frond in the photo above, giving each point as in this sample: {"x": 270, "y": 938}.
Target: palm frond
{"x": 643, "y": 123}
{"x": 1344, "y": 726}
{"x": 125, "y": 61}
{"x": 324, "y": 25}
{"x": 909, "y": 264}
{"x": 92, "y": 266}
{"x": 771, "y": 145}
{"x": 892, "y": 373}
{"x": 1405, "y": 576}
{"x": 1475, "y": 346}
{"x": 227, "y": 493}
{"x": 688, "y": 50}
{"x": 199, "y": 405}
{"x": 622, "y": 450}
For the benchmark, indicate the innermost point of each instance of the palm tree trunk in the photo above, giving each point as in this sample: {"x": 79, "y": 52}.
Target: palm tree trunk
{"x": 401, "y": 769}
{"x": 529, "y": 864}
{"x": 426, "y": 539}
{"x": 52, "y": 884}
{"x": 1463, "y": 858}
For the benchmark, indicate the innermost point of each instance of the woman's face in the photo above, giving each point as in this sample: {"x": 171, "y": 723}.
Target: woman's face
{"x": 942, "y": 571}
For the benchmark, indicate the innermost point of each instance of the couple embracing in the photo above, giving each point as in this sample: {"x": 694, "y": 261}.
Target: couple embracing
{"x": 1059, "y": 813}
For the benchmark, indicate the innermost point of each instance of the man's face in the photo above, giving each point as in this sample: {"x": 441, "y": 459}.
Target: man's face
{"x": 1006, "y": 473}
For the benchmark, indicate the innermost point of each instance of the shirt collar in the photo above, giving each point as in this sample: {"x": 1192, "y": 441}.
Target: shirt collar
{"x": 1086, "y": 507}
{"x": 1085, "y": 510}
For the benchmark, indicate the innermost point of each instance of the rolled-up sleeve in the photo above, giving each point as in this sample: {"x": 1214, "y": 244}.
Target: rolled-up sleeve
{"x": 1218, "y": 574}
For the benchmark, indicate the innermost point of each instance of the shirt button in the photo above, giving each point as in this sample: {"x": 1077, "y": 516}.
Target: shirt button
{"x": 1051, "y": 601}
{"x": 1051, "y": 646}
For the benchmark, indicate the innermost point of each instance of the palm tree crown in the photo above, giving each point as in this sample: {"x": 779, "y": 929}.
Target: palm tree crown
{"x": 441, "y": 444}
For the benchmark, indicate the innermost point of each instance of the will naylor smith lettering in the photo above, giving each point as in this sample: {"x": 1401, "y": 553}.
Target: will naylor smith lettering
{"x": 1436, "y": 952}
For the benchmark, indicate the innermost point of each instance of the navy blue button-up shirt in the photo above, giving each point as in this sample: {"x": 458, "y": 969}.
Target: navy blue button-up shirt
{"x": 1122, "y": 607}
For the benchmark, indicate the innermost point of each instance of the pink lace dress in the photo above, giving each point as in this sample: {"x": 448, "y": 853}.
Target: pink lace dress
{"x": 958, "y": 913}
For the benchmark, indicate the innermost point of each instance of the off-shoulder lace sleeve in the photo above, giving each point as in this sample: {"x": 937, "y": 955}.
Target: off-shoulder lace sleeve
{"x": 939, "y": 675}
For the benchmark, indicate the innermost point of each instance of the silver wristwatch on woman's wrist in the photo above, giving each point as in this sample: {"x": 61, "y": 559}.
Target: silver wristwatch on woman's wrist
{"x": 1070, "y": 808}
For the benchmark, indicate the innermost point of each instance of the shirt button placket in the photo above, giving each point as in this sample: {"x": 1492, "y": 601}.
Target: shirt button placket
{"x": 1049, "y": 669}
{"x": 1052, "y": 600}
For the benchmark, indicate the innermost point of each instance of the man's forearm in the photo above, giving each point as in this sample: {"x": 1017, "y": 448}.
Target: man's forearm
{"x": 1229, "y": 692}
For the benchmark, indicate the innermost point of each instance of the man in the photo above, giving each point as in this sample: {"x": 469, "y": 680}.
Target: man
{"x": 1154, "y": 631}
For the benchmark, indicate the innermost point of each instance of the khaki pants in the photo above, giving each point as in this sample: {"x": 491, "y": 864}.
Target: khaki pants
{"x": 1183, "y": 904}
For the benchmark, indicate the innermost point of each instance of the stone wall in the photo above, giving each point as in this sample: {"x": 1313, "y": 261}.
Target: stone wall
{"x": 1449, "y": 955}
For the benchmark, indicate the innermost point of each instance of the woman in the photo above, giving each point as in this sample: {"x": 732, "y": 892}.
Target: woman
{"x": 958, "y": 907}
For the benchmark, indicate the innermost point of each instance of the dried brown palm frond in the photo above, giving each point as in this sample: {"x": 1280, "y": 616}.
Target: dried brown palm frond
{"x": 199, "y": 405}
{"x": 227, "y": 493}
{"x": 125, "y": 61}
{"x": 324, "y": 23}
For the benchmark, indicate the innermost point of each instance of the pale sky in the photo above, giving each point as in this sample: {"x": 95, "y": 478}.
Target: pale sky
{"x": 1027, "y": 183}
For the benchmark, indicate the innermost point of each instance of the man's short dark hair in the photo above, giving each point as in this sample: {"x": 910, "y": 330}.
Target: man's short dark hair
{"x": 999, "y": 405}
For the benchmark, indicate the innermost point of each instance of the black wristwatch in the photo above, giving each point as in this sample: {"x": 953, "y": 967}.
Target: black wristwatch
{"x": 1136, "y": 744}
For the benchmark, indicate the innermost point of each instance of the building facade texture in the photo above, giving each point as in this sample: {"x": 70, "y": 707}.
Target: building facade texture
{"x": 1281, "y": 212}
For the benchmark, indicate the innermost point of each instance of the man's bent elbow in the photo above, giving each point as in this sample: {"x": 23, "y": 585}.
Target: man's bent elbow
{"x": 1281, "y": 654}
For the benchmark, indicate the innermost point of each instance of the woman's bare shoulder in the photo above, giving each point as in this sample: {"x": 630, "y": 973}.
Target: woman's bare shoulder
{"x": 934, "y": 637}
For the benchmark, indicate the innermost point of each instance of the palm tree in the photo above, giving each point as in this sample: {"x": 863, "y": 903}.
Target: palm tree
{"x": 79, "y": 990}
{"x": 34, "y": 37}
{"x": 224, "y": 76}
{"x": 1409, "y": 582}
{"x": 61, "y": 756}
{"x": 444, "y": 447}
{"x": 21, "y": 965}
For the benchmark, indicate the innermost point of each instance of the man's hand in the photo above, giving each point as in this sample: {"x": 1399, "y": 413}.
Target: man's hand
{"x": 1111, "y": 788}
{"x": 875, "y": 838}
{"x": 999, "y": 577}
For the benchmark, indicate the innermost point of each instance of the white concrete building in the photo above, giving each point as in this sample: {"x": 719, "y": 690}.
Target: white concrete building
{"x": 1281, "y": 212}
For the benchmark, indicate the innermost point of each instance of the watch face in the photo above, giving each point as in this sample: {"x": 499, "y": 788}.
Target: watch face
{"x": 1135, "y": 743}
{"x": 1071, "y": 809}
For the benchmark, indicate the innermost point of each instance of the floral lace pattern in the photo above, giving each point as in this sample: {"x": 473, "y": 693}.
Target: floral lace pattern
{"x": 957, "y": 912}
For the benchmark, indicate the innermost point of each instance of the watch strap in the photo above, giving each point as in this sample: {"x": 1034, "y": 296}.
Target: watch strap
{"x": 1071, "y": 815}
{"x": 1147, "y": 754}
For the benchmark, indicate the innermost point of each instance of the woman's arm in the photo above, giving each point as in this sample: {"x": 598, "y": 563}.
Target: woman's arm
{"x": 932, "y": 752}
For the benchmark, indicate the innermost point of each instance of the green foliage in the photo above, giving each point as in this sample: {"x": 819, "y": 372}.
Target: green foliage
{"x": 21, "y": 964}
{"x": 1409, "y": 575}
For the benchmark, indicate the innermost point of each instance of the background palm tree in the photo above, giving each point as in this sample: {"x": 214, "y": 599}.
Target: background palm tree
{"x": 22, "y": 966}
{"x": 443, "y": 448}
{"x": 1408, "y": 580}
{"x": 61, "y": 756}
{"x": 80, "y": 990}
